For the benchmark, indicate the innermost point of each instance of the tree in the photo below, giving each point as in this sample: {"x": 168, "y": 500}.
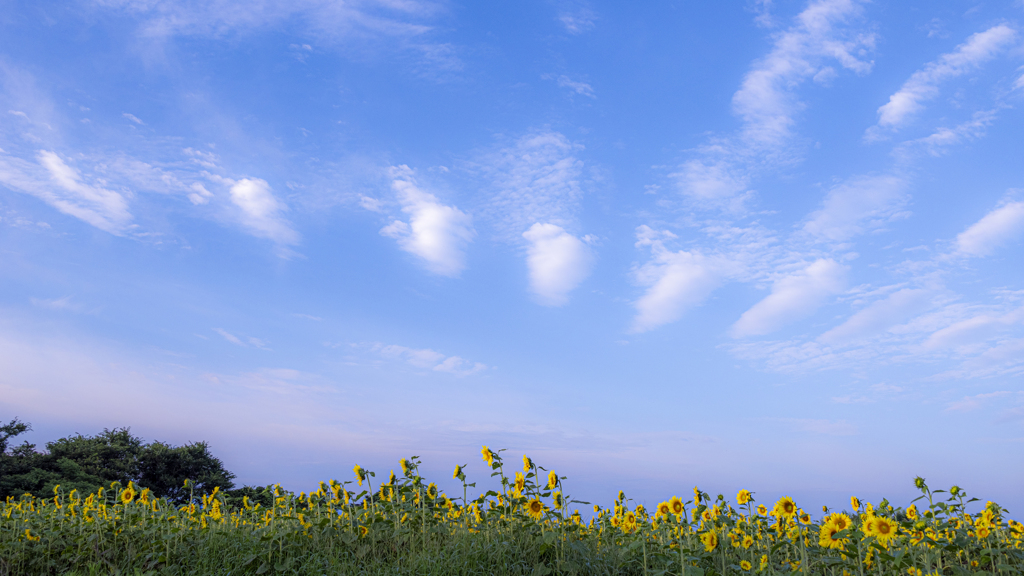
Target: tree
{"x": 164, "y": 468}
{"x": 86, "y": 463}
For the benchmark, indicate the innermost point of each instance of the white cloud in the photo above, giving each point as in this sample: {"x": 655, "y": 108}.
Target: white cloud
{"x": 429, "y": 359}
{"x": 764, "y": 101}
{"x": 435, "y": 232}
{"x": 923, "y": 84}
{"x": 995, "y": 229}
{"x": 879, "y": 315}
{"x": 936, "y": 142}
{"x": 973, "y": 330}
{"x": 133, "y": 118}
{"x": 676, "y": 281}
{"x": 793, "y": 298}
{"x": 229, "y": 336}
{"x": 820, "y": 426}
{"x": 855, "y": 205}
{"x": 557, "y": 261}
{"x": 576, "y": 16}
{"x": 581, "y": 88}
{"x": 537, "y": 179}
{"x": 63, "y": 187}
{"x": 709, "y": 181}
{"x": 968, "y": 403}
{"x": 64, "y": 303}
{"x": 261, "y": 211}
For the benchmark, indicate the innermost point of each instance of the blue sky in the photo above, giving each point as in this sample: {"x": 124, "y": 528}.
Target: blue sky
{"x": 767, "y": 245}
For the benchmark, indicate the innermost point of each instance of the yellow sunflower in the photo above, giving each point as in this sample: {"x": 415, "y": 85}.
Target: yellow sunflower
{"x": 912, "y": 512}
{"x": 762, "y": 510}
{"x": 535, "y": 508}
{"x": 488, "y": 455}
{"x": 527, "y": 463}
{"x": 983, "y": 532}
{"x": 458, "y": 470}
{"x": 520, "y": 484}
{"x": 552, "y": 480}
{"x": 709, "y": 540}
{"x": 855, "y": 503}
{"x": 707, "y": 515}
{"x": 363, "y": 531}
{"x": 676, "y": 504}
{"x": 785, "y": 507}
{"x": 696, "y": 495}
{"x": 360, "y": 473}
{"x": 743, "y": 496}
{"x": 885, "y": 530}
{"x": 128, "y": 494}
{"x": 663, "y": 509}
{"x": 748, "y": 541}
{"x": 828, "y": 536}
{"x": 558, "y": 500}
{"x": 745, "y": 565}
{"x": 405, "y": 465}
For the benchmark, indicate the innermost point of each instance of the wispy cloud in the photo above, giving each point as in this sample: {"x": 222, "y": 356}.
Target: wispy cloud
{"x": 923, "y": 85}
{"x": 423, "y": 358}
{"x": 793, "y": 297}
{"x": 63, "y": 187}
{"x": 675, "y": 281}
{"x": 581, "y": 88}
{"x": 435, "y": 232}
{"x": 576, "y": 16}
{"x": 997, "y": 228}
{"x": 857, "y": 205}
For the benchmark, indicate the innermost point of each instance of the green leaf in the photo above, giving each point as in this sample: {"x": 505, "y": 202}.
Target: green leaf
{"x": 263, "y": 568}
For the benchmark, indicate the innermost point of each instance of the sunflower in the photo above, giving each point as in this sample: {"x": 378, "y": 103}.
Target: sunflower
{"x": 743, "y": 496}
{"x": 707, "y": 515}
{"x": 360, "y": 473}
{"x": 676, "y": 505}
{"x": 912, "y": 512}
{"x": 855, "y": 503}
{"x": 748, "y": 541}
{"x": 552, "y": 480}
{"x": 885, "y": 530}
{"x": 535, "y": 508}
{"x": 762, "y": 510}
{"x": 983, "y": 532}
{"x": 128, "y": 494}
{"x": 785, "y": 507}
{"x": 520, "y": 484}
{"x": 805, "y": 518}
{"x": 527, "y": 463}
{"x": 405, "y": 466}
{"x": 629, "y": 520}
{"x": 622, "y": 496}
{"x": 663, "y": 509}
{"x": 764, "y": 562}
{"x": 488, "y": 455}
{"x": 558, "y": 500}
{"x": 842, "y": 521}
{"x": 709, "y": 540}
{"x": 745, "y": 565}
{"x": 828, "y": 536}
{"x": 696, "y": 495}
{"x": 363, "y": 531}
{"x": 458, "y": 470}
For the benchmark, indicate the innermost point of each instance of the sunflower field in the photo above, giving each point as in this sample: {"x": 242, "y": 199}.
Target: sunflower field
{"x": 526, "y": 525}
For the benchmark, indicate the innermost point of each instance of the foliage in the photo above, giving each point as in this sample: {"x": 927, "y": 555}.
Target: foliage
{"x": 86, "y": 463}
{"x": 404, "y": 525}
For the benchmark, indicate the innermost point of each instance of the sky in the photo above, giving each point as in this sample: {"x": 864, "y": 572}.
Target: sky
{"x": 772, "y": 245}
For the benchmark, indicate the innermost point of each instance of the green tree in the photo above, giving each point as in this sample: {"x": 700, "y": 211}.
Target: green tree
{"x": 90, "y": 462}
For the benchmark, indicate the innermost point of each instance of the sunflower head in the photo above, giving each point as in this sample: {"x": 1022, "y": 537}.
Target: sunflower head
{"x": 458, "y": 470}
{"x": 488, "y": 455}
{"x": 912, "y": 512}
{"x": 745, "y": 565}
{"x": 709, "y": 540}
{"x": 552, "y": 480}
{"x": 748, "y": 541}
{"x": 405, "y": 466}
{"x": 664, "y": 509}
{"x": 785, "y": 507}
{"x": 676, "y": 504}
{"x": 527, "y": 463}
{"x": 743, "y": 497}
{"x": 535, "y": 508}
{"x": 696, "y": 495}
{"x": 520, "y": 484}
{"x": 127, "y": 495}
{"x": 622, "y": 496}
{"x": 762, "y": 510}
{"x": 805, "y": 518}
{"x": 360, "y": 473}
{"x": 855, "y": 503}
{"x": 363, "y": 531}
{"x": 558, "y": 500}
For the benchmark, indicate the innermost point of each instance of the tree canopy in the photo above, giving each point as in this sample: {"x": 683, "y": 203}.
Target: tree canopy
{"x": 89, "y": 462}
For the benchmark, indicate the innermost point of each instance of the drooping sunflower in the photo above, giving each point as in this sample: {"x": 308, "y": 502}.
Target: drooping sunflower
{"x": 405, "y": 465}
{"x": 676, "y": 504}
{"x": 745, "y": 565}
{"x": 552, "y": 480}
{"x": 709, "y": 540}
{"x": 622, "y": 496}
{"x": 527, "y": 463}
{"x": 785, "y": 507}
{"x": 520, "y": 484}
{"x": 743, "y": 496}
{"x": 696, "y": 495}
{"x": 558, "y": 500}
{"x": 360, "y": 473}
{"x": 535, "y": 508}
{"x": 488, "y": 455}
{"x": 458, "y": 470}
{"x": 855, "y": 503}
